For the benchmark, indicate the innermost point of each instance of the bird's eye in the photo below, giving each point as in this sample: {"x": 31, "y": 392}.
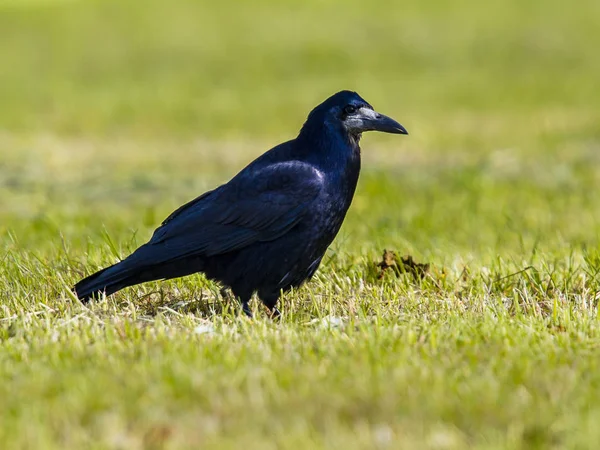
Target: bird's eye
{"x": 349, "y": 109}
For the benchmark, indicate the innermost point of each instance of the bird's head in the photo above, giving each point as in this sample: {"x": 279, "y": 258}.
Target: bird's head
{"x": 348, "y": 112}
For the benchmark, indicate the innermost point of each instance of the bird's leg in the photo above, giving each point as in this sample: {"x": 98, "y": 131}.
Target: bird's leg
{"x": 246, "y": 309}
{"x": 244, "y": 298}
{"x": 228, "y": 297}
{"x": 270, "y": 300}
{"x": 275, "y": 313}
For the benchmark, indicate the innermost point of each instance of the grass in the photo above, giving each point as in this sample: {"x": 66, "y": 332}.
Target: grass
{"x": 114, "y": 114}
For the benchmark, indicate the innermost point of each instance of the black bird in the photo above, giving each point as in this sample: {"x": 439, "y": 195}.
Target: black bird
{"x": 267, "y": 229}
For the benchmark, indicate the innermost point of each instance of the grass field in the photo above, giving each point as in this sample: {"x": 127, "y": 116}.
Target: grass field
{"x": 112, "y": 114}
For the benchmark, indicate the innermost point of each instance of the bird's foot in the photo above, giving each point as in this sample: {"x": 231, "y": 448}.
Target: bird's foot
{"x": 274, "y": 313}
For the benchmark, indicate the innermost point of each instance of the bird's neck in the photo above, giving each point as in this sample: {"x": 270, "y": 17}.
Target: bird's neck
{"x": 333, "y": 150}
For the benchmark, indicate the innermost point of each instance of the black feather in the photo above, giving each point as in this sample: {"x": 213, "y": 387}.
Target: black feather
{"x": 264, "y": 231}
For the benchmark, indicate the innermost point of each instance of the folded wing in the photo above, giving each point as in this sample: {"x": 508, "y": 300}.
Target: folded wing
{"x": 259, "y": 205}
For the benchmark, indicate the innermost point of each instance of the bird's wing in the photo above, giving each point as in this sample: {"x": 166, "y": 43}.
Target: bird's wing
{"x": 258, "y": 205}
{"x": 186, "y": 206}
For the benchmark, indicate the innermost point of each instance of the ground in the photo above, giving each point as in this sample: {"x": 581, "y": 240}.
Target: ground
{"x": 113, "y": 115}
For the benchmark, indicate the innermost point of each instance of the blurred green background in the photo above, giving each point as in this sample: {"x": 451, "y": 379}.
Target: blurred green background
{"x": 256, "y": 68}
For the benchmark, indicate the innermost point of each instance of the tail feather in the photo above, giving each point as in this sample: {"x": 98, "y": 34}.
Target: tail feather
{"x": 139, "y": 267}
{"x": 107, "y": 281}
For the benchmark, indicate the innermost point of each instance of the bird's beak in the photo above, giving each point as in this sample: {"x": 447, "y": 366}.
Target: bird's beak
{"x": 373, "y": 121}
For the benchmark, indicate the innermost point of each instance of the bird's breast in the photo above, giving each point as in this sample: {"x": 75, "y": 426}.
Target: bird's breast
{"x": 333, "y": 206}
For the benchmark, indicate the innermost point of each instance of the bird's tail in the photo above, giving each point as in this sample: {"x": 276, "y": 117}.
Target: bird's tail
{"x": 108, "y": 281}
{"x": 141, "y": 266}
